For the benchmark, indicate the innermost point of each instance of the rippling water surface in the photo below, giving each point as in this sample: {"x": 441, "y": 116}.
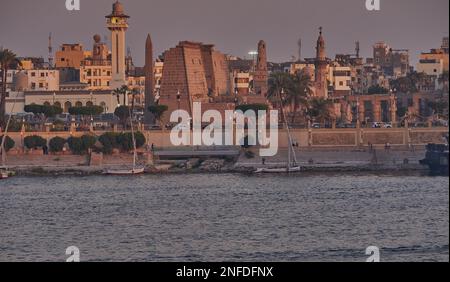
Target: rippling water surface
{"x": 225, "y": 217}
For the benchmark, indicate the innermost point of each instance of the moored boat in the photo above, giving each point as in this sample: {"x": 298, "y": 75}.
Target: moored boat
{"x": 292, "y": 164}
{"x": 436, "y": 158}
{"x": 279, "y": 170}
{"x": 132, "y": 171}
{"x": 4, "y": 174}
{"x": 135, "y": 168}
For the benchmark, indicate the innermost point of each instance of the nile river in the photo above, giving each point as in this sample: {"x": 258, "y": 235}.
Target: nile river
{"x": 225, "y": 217}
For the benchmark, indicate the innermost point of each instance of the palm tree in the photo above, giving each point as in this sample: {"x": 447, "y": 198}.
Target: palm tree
{"x": 320, "y": 109}
{"x": 277, "y": 82}
{"x": 7, "y": 58}
{"x": 134, "y": 92}
{"x": 123, "y": 90}
{"x": 298, "y": 92}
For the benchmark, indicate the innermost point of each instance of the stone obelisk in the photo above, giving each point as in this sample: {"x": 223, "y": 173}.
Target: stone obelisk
{"x": 149, "y": 80}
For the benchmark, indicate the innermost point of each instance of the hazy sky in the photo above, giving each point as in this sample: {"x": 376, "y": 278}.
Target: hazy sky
{"x": 235, "y": 26}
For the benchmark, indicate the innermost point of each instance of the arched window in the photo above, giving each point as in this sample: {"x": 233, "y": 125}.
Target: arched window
{"x": 46, "y": 103}
{"x": 78, "y": 104}
{"x": 57, "y": 104}
{"x": 89, "y": 104}
{"x": 67, "y": 106}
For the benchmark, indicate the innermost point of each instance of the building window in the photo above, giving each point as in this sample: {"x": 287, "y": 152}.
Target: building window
{"x": 67, "y": 106}
{"x": 41, "y": 85}
{"x": 33, "y": 74}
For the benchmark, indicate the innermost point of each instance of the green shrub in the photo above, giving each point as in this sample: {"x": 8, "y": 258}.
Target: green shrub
{"x": 75, "y": 145}
{"x": 34, "y": 142}
{"x": 56, "y": 144}
{"x": 109, "y": 142}
{"x": 9, "y": 143}
{"x": 121, "y": 141}
{"x": 126, "y": 141}
{"x": 88, "y": 141}
{"x": 81, "y": 145}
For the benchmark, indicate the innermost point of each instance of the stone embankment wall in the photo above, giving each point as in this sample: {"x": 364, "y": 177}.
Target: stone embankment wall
{"x": 312, "y": 138}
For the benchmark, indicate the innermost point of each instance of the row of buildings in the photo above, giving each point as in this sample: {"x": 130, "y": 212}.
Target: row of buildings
{"x": 193, "y": 71}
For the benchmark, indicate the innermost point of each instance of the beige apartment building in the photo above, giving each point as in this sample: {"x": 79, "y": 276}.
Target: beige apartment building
{"x": 436, "y": 60}
{"x": 70, "y": 56}
{"x": 96, "y": 75}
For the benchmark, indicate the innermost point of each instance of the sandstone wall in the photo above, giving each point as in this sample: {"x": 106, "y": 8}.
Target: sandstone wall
{"x": 319, "y": 138}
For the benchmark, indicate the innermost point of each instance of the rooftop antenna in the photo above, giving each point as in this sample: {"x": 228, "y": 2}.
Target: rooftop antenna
{"x": 299, "y": 43}
{"x": 50, "y": 51}
{"x": 357, "y": 49}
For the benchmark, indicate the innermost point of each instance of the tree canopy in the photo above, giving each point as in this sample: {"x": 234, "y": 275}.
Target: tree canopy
{"x": 86, "y": 111}
{"x": 253, "y": 107}
{"x": 46, "y": 110}
{"x": 158, "y": 111}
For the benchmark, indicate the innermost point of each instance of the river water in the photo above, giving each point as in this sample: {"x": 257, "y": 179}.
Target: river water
{"x": 225, "y": 217}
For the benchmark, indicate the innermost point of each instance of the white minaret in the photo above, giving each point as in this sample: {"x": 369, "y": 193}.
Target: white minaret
{"x": 117, "y": 23}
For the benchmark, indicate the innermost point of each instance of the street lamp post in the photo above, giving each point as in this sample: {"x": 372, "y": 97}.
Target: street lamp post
{"x": 358, "y": 121}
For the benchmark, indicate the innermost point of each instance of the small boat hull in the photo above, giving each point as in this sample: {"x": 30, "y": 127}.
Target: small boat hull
{"x": 4, "y": 175}
{"x": 133, "y": 171}
{"x": 436, "y": 159}
{"x": 279, "y": 170}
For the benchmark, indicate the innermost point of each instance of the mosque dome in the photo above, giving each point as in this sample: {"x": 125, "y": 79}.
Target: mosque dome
{"x": 20, "y": 81}
{"x": 97, "y": 38}
{"x": 118, "y": 9}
